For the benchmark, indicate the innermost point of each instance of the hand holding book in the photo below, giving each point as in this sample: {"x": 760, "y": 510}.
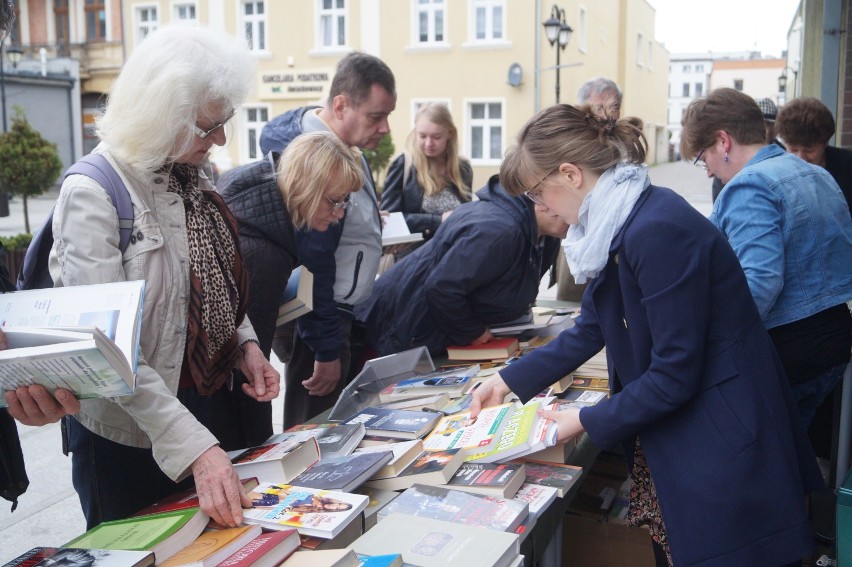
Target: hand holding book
{"x": 34, "y": 405}
{"x": 567, "y": 421}
{"x": 489, "y": 393}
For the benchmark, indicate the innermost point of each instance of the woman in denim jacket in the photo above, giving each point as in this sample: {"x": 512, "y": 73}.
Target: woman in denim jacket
{"x": 788, "y": 225}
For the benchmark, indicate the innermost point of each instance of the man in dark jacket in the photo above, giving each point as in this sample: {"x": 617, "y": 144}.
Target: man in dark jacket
{"x": 361, "y": 97}
{"x": 482, "y": 267}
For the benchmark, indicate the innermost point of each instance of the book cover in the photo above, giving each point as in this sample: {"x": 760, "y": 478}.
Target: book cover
{"x": 426, "y": 542}
{"x": 403, "y": 454}
{"x": 442, "y": 503}
{"x": 344, "y": 473}
{"x": 538, "y": 497}
{"x": 275, "y": 462}
{"x": 576, "y": 398}
{"x": 460, "y": 431}
{"x": 212, "y": 547}
{"x": 301, "y": 432}
{"x": 185, "y": 499}
{"x": 165, "y": 534}
{"x": 298, "y": 296}
{"x": 313, "y": 512}
{"x": 396, "y": 231}
{"x": 390, "y": 560}
{"x": 558, "y": 475}
{"x": 398, "y": 424}
{"x": 58, "y": 556}
{"x": 434, "y": 402}
{"x": 340, "y": 440}
{"x": 519, "y": 436}
{"x": 323, "y": 558}
{"x": 266, "y": 550}
{"x": 343, "y": 539}
{"x": 454, "y": 382}
{"x": 501, "y": 347}
{"x": 430, "y": 467}
{"x": 489, "y": 478}
{"x": 82, "y": 338}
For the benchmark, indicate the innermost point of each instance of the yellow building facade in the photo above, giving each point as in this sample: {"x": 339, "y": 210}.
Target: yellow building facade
{"x": 489, "y": 60}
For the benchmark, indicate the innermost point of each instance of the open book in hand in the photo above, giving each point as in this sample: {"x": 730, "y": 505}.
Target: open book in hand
{"x": 82, "y": 338}
{"x": 396, "y": 231}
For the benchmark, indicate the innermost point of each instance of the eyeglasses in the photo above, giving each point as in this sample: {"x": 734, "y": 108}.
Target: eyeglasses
{"x": 337, "y": 205}
{"x": 700, "y": 162}
{"x": 203, "y": 134}
{"x": 535, "y": 196}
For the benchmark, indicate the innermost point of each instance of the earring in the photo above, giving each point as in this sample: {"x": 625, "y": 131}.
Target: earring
{"x": 725, "y": 159}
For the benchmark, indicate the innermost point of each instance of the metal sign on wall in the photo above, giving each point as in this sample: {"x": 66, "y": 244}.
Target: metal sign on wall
{"x": 302, "y": 83}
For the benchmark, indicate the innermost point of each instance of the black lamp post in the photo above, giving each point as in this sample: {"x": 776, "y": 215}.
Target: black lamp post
{"x": 14, "y": 53}
{"x": 558, "y": 34}
{"x": 782, "y": 81}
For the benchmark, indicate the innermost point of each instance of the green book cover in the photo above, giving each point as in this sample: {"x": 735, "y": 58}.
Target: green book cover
{"x": 515, "y": 436}
{"x": 137, "y": 533}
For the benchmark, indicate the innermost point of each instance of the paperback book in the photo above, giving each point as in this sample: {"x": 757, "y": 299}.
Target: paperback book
{"x": 323, "y": 558}
{"x": 442, "y": 503}
{"x": 455, "y": 383}
{"x": 489, "y": 478}
{"x": 396, "y": 231}
{"x": 537, "y": 497}
{"x": 212, "y": 547}
{"x": 396, "y": 424}
{"x": 298, "y": 296}
{"x": 71, "y": 556}
{"x": 340, "y": 440}
{"x": 275, "y": 462}
{"x": 557, "y": 475}
{"x": 268, "y": 549}
{"x": 185, "y": 499}
{"x": 344, "y": 473}
{"x": 313, "y": 512}
{"x": 379, "y": 498}
{"x": 82, "y": 338}
{"x": 431, "y": 467}
{"x": 460, "y": 431}
{"x": 433, "y": 402}
{"x": 403, "y": 454}
{"x": 499, "y": 348}
{"x": 576, "y": 398}
{"x": 525, "y": 432}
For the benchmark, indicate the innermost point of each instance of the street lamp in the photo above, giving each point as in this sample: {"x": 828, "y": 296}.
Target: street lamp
{"x": 558, "y": 34}
{"x": 14, "y": 53}
{"x": 782, "y": 81}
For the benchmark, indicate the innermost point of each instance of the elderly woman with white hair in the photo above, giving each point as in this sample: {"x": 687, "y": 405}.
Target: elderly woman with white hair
{"x": 167, "y": 108}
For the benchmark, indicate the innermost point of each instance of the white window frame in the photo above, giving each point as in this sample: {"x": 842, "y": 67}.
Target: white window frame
{"x": 699, "y": 67}
{"x": 487, "y": 123}
{"x": 582, "y": 29}
{"x": 640, "y": 44}
{"x": 150, "y": 25}
{"x": 687, "y": 68}
{"x": 416, "y": 103}
{"x": 255, "y": 21}
{"x": 431, "y": 9}
{"x": 488, "y": 6}
{"x": 246, "y": 126}
{"x": 176, "y": 6}
{"x": 333, "y": 14}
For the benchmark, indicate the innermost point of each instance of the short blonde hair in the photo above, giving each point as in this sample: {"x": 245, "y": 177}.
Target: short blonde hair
{"x": 171, "y": 80}
{"x": 311, "y": 164}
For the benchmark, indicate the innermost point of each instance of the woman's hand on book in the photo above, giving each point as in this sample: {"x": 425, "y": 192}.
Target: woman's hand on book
{"x": 220, "y": 493}
{"x": 489, "y": 393}
{"x": 34, "y": 405}
{"x": 567, "y": 423}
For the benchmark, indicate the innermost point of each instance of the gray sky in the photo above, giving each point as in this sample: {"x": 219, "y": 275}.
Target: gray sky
{"x": 724, "y": 25}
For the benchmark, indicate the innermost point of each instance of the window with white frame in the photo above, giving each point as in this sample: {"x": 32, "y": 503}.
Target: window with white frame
{"x": 146, "y": 21}
{"x": 581, "y": 29}
{"x": 254, "y": 119}
{"x": 640, "y": 45}
{"x": 254, "y": 24}
{"x": 431, "y": 21}
{"x": 332, "y": 23}
{"x": 485, "y": 131}
{"x": 685, "y": 90}
{"x": 699, "y": 89}
{"x": 687, "y": 68}
{"x": 699, "y": 68}
{"x": 488, "y": 20}
{"x": 184, "y": 12}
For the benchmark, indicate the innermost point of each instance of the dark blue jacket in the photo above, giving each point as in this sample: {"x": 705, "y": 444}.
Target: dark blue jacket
{"x": 320, "y": 328}
{"x": 695, "y": 376}
{"x": 482, "y": 267}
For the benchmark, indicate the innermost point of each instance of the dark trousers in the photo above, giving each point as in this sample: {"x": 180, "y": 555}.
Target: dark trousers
{"x": 114, "y": 481}
{"x": 299, "y": 406}
{"x": 239, "y": 421}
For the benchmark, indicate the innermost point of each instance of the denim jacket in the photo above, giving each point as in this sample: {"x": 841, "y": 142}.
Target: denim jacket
{"x": 789, "y": 225}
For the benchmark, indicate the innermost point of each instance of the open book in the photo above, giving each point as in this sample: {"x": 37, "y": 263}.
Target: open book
{"x": 396, "y": 231}
{"x": 82, "y": 338}
{"x": 298, "y": 296}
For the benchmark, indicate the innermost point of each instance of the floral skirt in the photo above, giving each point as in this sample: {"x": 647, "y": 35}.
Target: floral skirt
{"x": 644, "y": 510}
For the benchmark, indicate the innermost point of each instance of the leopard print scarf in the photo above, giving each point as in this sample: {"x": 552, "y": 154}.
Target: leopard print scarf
{"x": 218, "y": 281}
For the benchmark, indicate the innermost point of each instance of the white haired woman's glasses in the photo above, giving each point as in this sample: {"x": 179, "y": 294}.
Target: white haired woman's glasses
{"x": 204, "y": 133}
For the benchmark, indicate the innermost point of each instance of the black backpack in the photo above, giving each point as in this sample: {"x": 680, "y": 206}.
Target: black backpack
{"x": 34, "y": 272}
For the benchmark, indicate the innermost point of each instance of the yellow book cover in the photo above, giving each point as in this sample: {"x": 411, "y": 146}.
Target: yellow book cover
{"x": 213, "y": 546}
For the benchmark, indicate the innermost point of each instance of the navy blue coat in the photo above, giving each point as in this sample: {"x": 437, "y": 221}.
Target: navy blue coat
{"x": 482, "y": 267}
{"x": 693, "y": 374}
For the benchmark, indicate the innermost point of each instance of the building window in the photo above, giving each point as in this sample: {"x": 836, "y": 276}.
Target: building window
{"x": 699, "y": 89}
{"x": 685, "y": 89}
{"x": 185, "y": 13}
{"x": 488, "y": 19}
{"x": 738, "y": 84}
{"x": 332, "y": 23}
{"x": 95, "y": 20}
{"x": 256, "y": 118}
{"x": 486, "y": 131}
{"x": 146, "y": 21}
{"x": 430, "y": 16}
{"x": 640, "y": 44}
{"x": 687, "y": 68}
{"x": 63, "y": 28}
{"x": 699, "y": 68}
{"x": 581, "y": 28}
{"x": 254, "y": 24}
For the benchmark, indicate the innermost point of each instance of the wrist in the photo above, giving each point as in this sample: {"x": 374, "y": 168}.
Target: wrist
{"x": 246, "y": 342}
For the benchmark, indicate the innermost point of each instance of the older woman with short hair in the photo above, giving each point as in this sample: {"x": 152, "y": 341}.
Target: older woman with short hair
{"x": 167, "y": 108}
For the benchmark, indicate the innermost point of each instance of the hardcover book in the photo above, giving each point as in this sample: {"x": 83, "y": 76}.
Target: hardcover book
{"x": 57, "y": 556}
{"x": 442, "y": 503}
{"x": 459, "y": 431}
{"x": 435, "y": 543}
{"x": 397, "y": 424}
{"x": 323, "y": 558}
{"x": 499, "y": 348}
{"x": 165, "y": 534}
{"x": 525, "y": 432}
{"x": 558, "y": 475}
{"x": 340, "y": 440}
{"x": 313, "y": 512}
{"x": 344, "y": 473}
{"x": 298, "y": 296}
{"x": 275, "y": 462}
{"x": 431, "y": 467}
{"x": 266, "y": 550}
{"x": 185, "y": 499}
{"x": 403, "y": 454}
{"x": 212, "y": 547}
{"x": 489, "y": 478}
